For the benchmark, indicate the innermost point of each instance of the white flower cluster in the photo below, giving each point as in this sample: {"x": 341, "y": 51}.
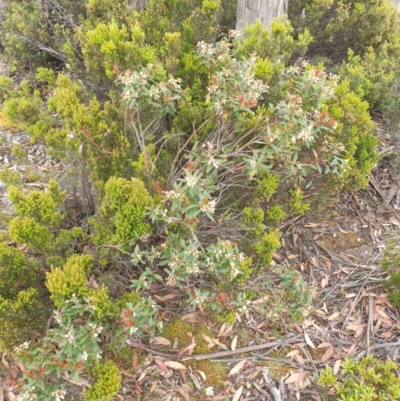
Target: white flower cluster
{"x": 192, "y": 251}
{"x": 192, "y": 269}
{"x": 70, "y": 337}
{"x": 96, "y": 329}
{"x": 191, "y": 180}
{"x": 58, "y": 316}
{"x": 59, "y": 394}
{"x": 30, "y": 395}
{"x": 21, "y": 347}
{"x": 205, "y": 48}
{"x": 171, "y": 195}
{"x": 199, "y": 299}
{"x": 208, "y": 207}
{"x": 213, "y": 162}
{"x": 171, "y": 281}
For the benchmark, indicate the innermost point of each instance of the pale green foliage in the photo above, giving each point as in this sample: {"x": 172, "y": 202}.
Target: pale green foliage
{"x": 367, "y": 379}
{"x": 122, "y": 212}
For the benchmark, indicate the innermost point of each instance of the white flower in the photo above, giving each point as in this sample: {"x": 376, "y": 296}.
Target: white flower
{"x": 21, "y": 347}
{"x": 59, "y": 394}
{"x": 209, "y": 207}
{"x": 209, "y": 392}
{"x": 172, "y": 195}
{"x": 213, "y": 162}
{"x": 171, "y": 281}
{"x": 191, "y": 180}
{"x": 70, "y": 337}
{"x": 192, "y": 269}
{"x": 30, "y": 395}
{"x": 98, "y": 356}
{"x": 57, "y": 316}
{"x": 133, "y": 330}
{"x": 84, "y": 356}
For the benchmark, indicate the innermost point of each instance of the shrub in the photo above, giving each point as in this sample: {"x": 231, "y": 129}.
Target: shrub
{"x": 368, "y": 378}
{"x": 107, "y": 382}
{"x": 390, "y": 263}
{"x": 122, "y": 212}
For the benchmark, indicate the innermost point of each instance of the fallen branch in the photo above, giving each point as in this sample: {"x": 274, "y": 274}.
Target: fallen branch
{"x": 219, "y": 354}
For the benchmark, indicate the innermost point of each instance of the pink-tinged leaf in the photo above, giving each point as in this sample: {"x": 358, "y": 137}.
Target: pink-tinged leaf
{"x": 324, "y": 345}
{"x": 292, "y": 378}
{"x": 161, "y": 365}
{"x": 308, "y": 340}
{"x": 336, "y": 366}
{"x": 190, "y": 318}
{"x": 351, "y": 350}
{"x": 237, "y": 368}
{"x": 387, "y": 334}
{"x": 238, "y": 394}
{"x": 327, "y": 355}
{"x": 175, "y": 365}
{"x": 165, "y": 297}
{"x": 301, "y": 377}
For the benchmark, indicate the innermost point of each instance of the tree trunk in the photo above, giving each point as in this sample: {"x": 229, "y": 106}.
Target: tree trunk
{"x": 248, "y": 11}
{"x": 396, "y": 3}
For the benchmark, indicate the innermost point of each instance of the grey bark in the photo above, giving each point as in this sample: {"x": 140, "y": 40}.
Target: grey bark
{"x": 249, "y": 11}
{"x": 396, "y": 3}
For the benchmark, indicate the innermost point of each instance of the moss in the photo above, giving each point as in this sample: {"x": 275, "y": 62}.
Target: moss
{"x": 178, "y": 330}
{"x": 215, "y": 372}
{"x": 183, "y": 332}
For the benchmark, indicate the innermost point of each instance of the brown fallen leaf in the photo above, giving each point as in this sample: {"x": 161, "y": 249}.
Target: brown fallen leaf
{"x": 336, "y": 366}
{"x": 292, "y": 378}
{"x": 175, "y": 365}
{"x": 334, "y": 316}
{"x": 190, "y": 318}
{"x": 324, "y": 345}
{"x": 161, "y": 341}
{"x": 187, "y": 349}
{"x": 327, "y": 355}
{"x": 238, "y": 367}
{"x": 165, "y": 297}
{"x": 195, "y": 381}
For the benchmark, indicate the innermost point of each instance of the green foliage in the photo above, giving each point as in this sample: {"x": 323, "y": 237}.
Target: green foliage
{"x": 296, "y": 204}
{"x": 348, "y": 24}
{"x": 367, "y": 379}
{"x": 267, "y": 185}
{"x": 66, "y": 282}
{"x": 122, "y": 212}
{"x": 390, "y": 263}
{"x": 297, "y": 297}
{"x": 107, "y": 382}
{"x": 274, "y": 214}
{"x": 40, "y": 206}
{"x": 16, "y": 271}
{"x": 21, "y": 317}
